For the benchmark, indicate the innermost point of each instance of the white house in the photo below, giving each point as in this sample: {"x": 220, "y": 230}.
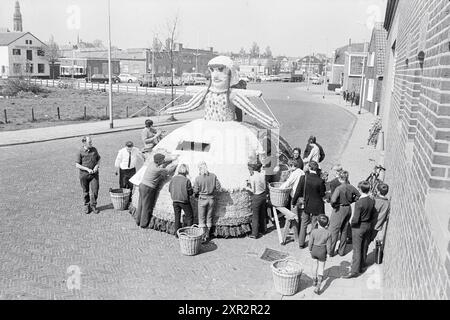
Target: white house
{"x": 22, "y": 54}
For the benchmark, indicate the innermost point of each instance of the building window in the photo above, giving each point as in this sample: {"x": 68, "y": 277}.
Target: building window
{"x": 3, "y": 69}
{"x": 40, "y": 53}
{"x": 16, "y": 52}
{"x": 17, "y": 68}
{"x": 29, "y": 68}
{"x": 371, "y": 61}
{"x": 41, "y": 68}
{"x": 370, "y": 90}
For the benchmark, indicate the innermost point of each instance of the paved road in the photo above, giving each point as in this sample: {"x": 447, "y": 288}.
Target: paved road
{"x": 42, "y": 233}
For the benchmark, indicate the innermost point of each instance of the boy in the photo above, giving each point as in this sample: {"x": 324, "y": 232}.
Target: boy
{"x": 319, "y": 246}
{"x": 360, "y": 222}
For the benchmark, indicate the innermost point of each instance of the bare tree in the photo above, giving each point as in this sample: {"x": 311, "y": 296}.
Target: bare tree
{"x": 98, "y": 43}
{"x": 268, "y": 52}
{"x": 242, "y": 53}
{"x": 51, "y": 53}
{"x": 172, "y": 33}
{"x": 254, "y": 50}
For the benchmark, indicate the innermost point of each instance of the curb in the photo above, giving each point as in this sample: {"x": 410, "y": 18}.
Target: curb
{"x": 106, "y": 131}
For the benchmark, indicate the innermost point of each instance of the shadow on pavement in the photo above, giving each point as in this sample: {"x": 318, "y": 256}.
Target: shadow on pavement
{"x": 333, "y": 273}
{"x": 208, "y": 247}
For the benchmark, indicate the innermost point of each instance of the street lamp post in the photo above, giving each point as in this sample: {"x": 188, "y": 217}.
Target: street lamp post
{"x": 111, "y": 123}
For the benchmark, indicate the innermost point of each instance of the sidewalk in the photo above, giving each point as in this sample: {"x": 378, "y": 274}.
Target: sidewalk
{"x": 355, "y": 159}
{"x": 10, "y": 138}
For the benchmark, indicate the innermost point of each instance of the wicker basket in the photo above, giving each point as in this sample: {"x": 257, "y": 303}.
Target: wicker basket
{"x": 279, "y": 197}
{"x": 190, "y": 239}
{"x": 286, "y": 276}
{"x": 120, "y": 198}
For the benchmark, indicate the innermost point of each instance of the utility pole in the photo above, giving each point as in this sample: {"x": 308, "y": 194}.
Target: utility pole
{"x": 307, "y": 72}
{"x": 111, "y": 124}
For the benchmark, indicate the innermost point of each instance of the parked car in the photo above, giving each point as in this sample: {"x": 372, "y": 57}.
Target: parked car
{"x": 316, "y": 81}
{"x": 338, "y": 90}
{"x": 102, "y": 78}
{"x": 147, "y": 80}
{"x": 274, "y": 77}
{"x": 199, "y": 78}
{"x": 167, "y": 81}
{"x": 126, "y": 77}
{"x": 285, "y": 77}
{"x": 187, "y": 79}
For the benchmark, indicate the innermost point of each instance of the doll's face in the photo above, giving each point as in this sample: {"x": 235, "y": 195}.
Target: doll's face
{"x": 219, "y": 77}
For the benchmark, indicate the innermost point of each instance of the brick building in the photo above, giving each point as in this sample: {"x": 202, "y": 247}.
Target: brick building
{"x": 416, "y": 122}
{"x": 374, "y": 70}
{"x": 340, "y": 62}
{"x": 353, "y": 66}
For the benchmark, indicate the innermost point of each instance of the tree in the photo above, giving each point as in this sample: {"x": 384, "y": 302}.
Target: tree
{"x": 172, "y": 33}
{"x": 156, "y": 45}
{"x": 268, "y": 52}
{"x": 98, "y": 43}
{"x": 242, "y": 53}
{"x": 254, "y": 50}
{"x": 51, "y": 53}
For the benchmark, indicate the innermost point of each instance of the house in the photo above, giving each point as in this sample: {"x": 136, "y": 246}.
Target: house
{"x": 340, "y": 64}
{"x": 355, "y": 58}
{"x": 374, "y": 69}
{"x": 22, "y": 54}
{"x": 310, "y": 65}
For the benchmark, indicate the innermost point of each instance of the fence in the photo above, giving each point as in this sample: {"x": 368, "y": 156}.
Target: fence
{"x": 116, "y": 87}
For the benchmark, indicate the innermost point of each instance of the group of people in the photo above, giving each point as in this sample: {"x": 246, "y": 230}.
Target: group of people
{"x": 360, "y": 227}
{"x": 351, "y": 97}
{"x": 309, "y": 192}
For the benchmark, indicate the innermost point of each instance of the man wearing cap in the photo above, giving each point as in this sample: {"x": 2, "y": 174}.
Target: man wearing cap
{"x": 150, "y": 136}
{"x": 155, "y": 173}
{"x": 88, "y": 161}
{"x": 126, "y": 161}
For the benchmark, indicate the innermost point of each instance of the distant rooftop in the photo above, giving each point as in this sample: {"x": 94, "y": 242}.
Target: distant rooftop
{"x": 7, "y": 37}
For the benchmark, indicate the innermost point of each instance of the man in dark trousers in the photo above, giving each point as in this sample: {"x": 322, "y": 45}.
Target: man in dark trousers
{"x": 341, "y": 199}
{"x": 361, "y": 222}
{"x": 88, "y": 161}
{"x": 312, "y": 189}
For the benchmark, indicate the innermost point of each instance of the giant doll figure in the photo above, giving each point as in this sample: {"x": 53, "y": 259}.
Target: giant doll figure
{"x": 224, "y": 144}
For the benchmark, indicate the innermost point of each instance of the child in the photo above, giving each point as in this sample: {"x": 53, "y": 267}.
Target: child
{"x": 319, "y": 246}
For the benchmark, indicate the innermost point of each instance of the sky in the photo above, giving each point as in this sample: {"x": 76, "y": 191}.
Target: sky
{"x": 290, "y": 27}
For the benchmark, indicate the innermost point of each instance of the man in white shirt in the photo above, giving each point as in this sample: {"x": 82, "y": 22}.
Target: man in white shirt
{"x": 293, "y": 179}
{"x": 314, "y": 154}
{"x": 126, "y": 161}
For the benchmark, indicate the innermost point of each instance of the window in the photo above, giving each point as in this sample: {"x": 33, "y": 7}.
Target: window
{"x": 16, "y": 52}
{"x": 193, "y": 146}
{"x": 28, "y": 42}
{"x": 17, "y": 68}
{"x": 30, "y": 55}
{"x": 371, "y": 61}
{"x": 40, "y": 53}
{"x": 370, "y": 90}
{"x": 41, "y": 68}
{"x": 3, "y": 69}
{"x": 29, "y": 68}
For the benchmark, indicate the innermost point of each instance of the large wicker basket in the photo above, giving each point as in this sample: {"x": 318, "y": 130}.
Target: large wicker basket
{"x": 286, "y": 276}
{"x": 279, "y": 197}
{"x": 190, "y": 239}
{"x": 120, "y": 198}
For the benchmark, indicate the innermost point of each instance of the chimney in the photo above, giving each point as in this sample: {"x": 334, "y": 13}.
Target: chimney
{"x": 17, "y": 18}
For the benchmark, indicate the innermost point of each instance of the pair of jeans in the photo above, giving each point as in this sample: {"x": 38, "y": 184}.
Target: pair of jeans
{"x": 305, "y": 219}
{"x": 188, "y": 218}
{"x": 360, "y": 239}
{"x": 339, "y": 228}
{"x": 205, "y": 211}
{"x": 259, "y": 210}
{"x": 89, "y": 183}
{"x": 144, "y": 211}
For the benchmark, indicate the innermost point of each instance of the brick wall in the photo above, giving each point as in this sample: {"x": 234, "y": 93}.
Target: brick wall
{"x": 417, "y": 139}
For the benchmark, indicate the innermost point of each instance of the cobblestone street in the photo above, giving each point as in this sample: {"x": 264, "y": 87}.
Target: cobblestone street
{"x": 43, "y": 235}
